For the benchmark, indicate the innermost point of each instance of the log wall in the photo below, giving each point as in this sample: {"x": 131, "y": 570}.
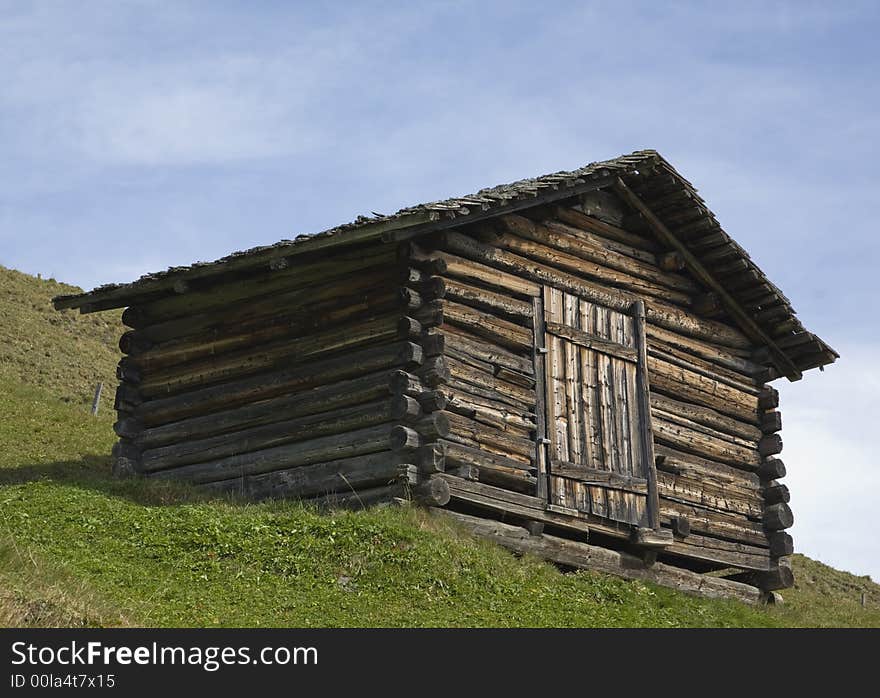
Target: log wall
{"x": 298, "y": 381}
{"x": 714, "y": 422}
{"x": 418, "y": 368}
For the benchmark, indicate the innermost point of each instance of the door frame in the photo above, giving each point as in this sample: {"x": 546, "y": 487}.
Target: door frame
{"x": 646, "y": 442}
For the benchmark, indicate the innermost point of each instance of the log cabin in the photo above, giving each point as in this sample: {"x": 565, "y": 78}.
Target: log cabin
{"x": 576, "y": 366}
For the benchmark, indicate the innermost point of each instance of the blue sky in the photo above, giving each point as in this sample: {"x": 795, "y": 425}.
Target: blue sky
{"x": 139, "y": 135}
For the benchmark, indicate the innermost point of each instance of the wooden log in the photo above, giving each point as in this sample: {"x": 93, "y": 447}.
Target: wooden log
{"x": 671, "y": 261}
{"x": 316, "y": 400}
{"x": 705, "y": 350}
{"x": 435, "y": 371}
{"x": 251, "y": 360}
{"x": 359, "y": 499}
{"x": 608, "y": 232}
{"x": 307, "y": 311}
{"x": 433, "y": 401}
{"x": 433, "y": 426}
{"x": 772, "y": 469}
{"x": 474, "y": 296}
{"x": 300, "y": 377}
{"x": 604, "y": 260}
{"x": 497, "y": 387}
{"x": 490, "y": 412}
{"x": 342, "y": 265}
{"x": 266, "y": 436}
{"x": 776, "y": 492}
{"x": 469, "y": 432}
{"x": 433, "y": 342}
{"x": 343, "y": 475}
{"x": 318, "y": 450}
{"x": 781, "y": 544}
{"x": 778, "y": 517}
{"x": 434, "y": 492}
{"x": 770, "y": 445}
{"x": 450, "y": 265}
{"x": 680, "y": 463}
{"x": 702, "y": 368}
{"x": 768, "y": 398}
{"x": 707, "y": 304}
{"x": 704, "y": 444}
{"x": 719, "y": 497}
{"x": 658, "y": 312}
{"x": 502, "y": 332}
{"x": 584, "y": 556}
{"x": 715, "y": 523}
{"x": 771, "y": 422}
{"x": 404, "y": 438}
{"x": 465, "y": 342}
{"x": 680, "y": 526}
{"x": 706, "y": 416}
{"x": 778, "y": 577}
{"x": 720, "y": 553}
{"x": 584, "y": 268}
{"x": 432, "y": 458}
{"x": 405, "y": 409}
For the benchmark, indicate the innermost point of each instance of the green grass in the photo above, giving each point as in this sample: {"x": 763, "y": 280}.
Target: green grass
{"x": 78, "y": 547}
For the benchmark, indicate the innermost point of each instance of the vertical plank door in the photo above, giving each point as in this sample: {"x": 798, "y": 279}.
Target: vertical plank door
{"x": 597, "y": 410}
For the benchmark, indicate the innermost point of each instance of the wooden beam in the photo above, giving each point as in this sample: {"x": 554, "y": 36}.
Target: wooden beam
{"x": 743, "y": 318}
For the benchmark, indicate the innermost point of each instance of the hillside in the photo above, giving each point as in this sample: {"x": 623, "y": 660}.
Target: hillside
{"x": 80, "y": 548}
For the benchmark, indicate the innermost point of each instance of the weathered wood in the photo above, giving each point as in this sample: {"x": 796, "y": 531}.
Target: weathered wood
{"x": 590, "y": 557}
{"x": 503, "y": 332}
{"x": 606, "y": 231}
{"x": 706, "y": 416}
{"x": 433, "y": 492}
{"x": 469, "y": 431}
{"x": 450, "y": 265}
{"x": 605, "y": 261}
{"x": 300, "y": 377}
{"x": 266, "y": 436}
{"x": 771, "y": 422}
{"x": 599, "y": 478}
{"x": 312, "y": 401}
{"x": 590, "y": 341}
{"x": 775, "y": 492}
{"x": 343, "y": 475}
{"x": 720, "y": 553}
{"x": 778, "y": 517}
{"x": 646, "y": 436}
{"x": 465, "y": 342}
{"x": 474, "y": 296}
{"x": 703, "y": 469}
{"x": 781, "y": 544}
{"x": 716, "y": 523}
{"x": 321, "y": 449}
{"x": 770, "y": 445}
{"x": 703, "y": 441}
{"x": 709, "y": 493}
{"x": 189, "y": 376}
{"x": 777, "y": 577}
{"x": 772, "y": 469}
{"x": 557, "y": 259}
{"x": 664, "y": 314}
{"x": 680, "y": 526}
{"x": 769, "y": 398}
{"x": 671, "y": 261}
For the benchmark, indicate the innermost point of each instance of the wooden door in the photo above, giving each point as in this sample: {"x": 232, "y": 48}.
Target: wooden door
{"x": 600, "y": 451}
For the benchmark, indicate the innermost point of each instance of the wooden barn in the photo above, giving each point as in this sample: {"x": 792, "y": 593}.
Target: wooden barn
{"x": 575, "y": 366}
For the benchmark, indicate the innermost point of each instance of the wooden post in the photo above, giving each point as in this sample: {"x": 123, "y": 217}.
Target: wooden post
{"x": 97, "y": 399}
{"x": 644, "y": 400}
{"x": 539, "y": 344}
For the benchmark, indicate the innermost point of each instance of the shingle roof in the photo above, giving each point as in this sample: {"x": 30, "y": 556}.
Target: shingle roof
{"x": 670, "y": 196}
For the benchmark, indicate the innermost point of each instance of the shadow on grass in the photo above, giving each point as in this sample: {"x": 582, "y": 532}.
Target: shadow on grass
{"x": 93, "y": 472}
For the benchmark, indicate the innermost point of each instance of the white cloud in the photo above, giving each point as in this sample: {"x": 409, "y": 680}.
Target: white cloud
{"x": 829, "y": 421}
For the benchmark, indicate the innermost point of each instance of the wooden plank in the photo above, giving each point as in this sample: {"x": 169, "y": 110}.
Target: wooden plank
{"x": 574, "y": 407}
{"x": 590, "y": 557}
{"x": 592, "y": 341}
{"x": 749, "y": 326}
{"x": 540, "y": 340}
{"x": 644, "y": 401}
{"x": 601, "y": 478}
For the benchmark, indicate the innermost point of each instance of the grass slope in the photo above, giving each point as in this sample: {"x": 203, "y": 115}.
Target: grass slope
{"x": 80, "y": 548}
